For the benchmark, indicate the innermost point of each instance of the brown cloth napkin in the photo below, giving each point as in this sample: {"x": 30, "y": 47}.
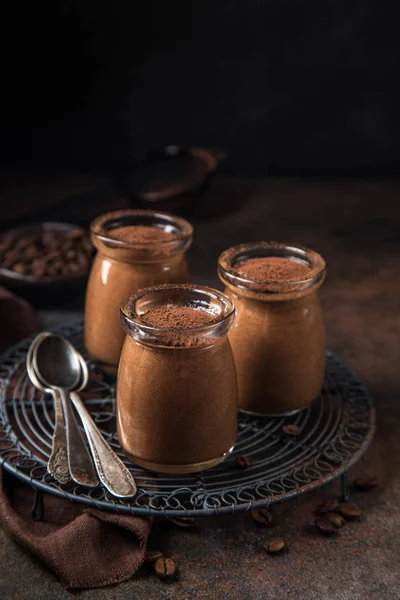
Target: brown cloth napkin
{"x": 17, "y": 319}
{"x": 83, "y": 547}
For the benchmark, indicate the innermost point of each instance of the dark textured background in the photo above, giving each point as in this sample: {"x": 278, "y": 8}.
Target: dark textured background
{"x": 286, "y": 86}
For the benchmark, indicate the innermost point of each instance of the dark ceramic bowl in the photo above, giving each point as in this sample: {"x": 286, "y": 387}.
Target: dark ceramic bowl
{"x": 173, "y": 179}
{"x": 49, "y": 290}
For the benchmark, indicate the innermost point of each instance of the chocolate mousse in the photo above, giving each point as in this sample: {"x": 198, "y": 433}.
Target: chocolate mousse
{"x": 273, "y": 268}
{"x": 177, "y": 388}
{"x": 278, "y": 338}
{"x": 141, "y": 234}
{"x": 136, "y": 248}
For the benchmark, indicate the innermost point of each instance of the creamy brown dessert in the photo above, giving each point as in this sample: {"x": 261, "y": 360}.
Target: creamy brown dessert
{"x": 176, "y": 388}
{"x": 136, "y": 249}
{"x": 140, "y": 233}
{"x": 278, "y": 338}
{"x": 273, "y": 268}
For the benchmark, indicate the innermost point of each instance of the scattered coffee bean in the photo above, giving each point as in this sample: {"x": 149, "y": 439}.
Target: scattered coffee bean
{"x": 349, "y": 511}
{"x": 263, "y": 517}
{"x": 165, "y": 568}
{"x": 335, "y": 519}
{"x": 242, "y": 462}
{"x": 184, "y": 522}
{"x": 152, "y": 556}
{"x": 291, "y": 429}
{"x": 329, "y": 506}
{"x": 364, "y": 483}
{"x": 275, "y": 545}
{"x": 324, "y": 526}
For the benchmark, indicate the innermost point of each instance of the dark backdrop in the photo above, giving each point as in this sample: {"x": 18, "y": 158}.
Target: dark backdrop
{"x": 285, "y": 86}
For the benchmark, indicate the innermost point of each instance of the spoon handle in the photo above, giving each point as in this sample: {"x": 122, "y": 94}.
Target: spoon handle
{"x": 80, "y": 461}
{"x": 112, "y": 471}
{"x": 58, "y": 461}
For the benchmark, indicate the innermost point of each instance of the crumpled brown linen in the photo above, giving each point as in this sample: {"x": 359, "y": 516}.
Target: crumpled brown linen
{"x": 17, "y": 319}
{"x": 83, "y": 547}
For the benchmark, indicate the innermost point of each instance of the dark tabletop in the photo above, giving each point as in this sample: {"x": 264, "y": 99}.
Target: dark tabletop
{"x": 355, "y": 225}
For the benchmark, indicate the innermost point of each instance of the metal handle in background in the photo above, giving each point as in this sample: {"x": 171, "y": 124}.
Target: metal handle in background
{"x": 112, "y": 471}
{"x": 58, "y": 461}
{"x": 80, "y": 461}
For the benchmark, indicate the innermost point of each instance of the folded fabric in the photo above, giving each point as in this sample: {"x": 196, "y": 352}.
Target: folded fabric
{"x": 83, "y": 547}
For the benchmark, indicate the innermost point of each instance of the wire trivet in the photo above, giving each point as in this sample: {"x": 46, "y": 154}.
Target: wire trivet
{"x": 334, "y": 432}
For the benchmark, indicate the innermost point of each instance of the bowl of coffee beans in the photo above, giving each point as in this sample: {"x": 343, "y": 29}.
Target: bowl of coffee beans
{"x": 46, "y": 263}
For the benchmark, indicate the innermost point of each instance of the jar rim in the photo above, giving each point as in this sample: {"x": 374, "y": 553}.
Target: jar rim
{"x": 241, "y": 252}
{"x": 227, "y": 305}
{"x": 97, "y": 227}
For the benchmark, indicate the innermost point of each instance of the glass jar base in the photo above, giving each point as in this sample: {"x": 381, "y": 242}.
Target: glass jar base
{"x": 177, "y": 469}
{"x": 277, "y": 414}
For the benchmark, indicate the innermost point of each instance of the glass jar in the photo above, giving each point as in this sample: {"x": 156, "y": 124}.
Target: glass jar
{"x": 121, "y": 268}
{"x": 278, "y": 338}
{"x": 177, "y": 388}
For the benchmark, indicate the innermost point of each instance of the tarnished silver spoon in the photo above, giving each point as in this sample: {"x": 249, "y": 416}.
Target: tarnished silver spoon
{"x": 58, "y": 369}
{"x": 111, "y": 470}
{"x": 57, "y": 464}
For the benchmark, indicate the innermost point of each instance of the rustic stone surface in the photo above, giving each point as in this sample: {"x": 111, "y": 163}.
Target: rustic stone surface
{"x": 355, "y": 225}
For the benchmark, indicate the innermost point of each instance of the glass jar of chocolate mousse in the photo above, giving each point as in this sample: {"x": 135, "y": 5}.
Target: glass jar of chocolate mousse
{"x": 176, "y": 386}
{"x": 278, "y": 338}
{"x": 135, "y": 249}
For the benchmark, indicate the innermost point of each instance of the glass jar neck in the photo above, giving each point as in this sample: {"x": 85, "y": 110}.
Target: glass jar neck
{"x": 174, "y": 332}
{"x": 152, "y": 251}
{"x": 288, "y": 288}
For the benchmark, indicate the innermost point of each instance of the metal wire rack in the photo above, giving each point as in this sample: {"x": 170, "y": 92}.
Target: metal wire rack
{"x": 334, "y": 432}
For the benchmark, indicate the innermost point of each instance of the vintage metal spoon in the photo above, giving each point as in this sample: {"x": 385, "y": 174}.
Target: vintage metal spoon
{"x": 68, "y": 371}
{"x": 57, "y": 464}
{"x": 59, "y": 370}
{"x": 111, "y": 470}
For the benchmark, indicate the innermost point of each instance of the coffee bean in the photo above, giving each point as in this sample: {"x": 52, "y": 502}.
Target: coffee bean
{"x": 275, "y": 545}
{"x": 75, "y": 234}
{"x": 70, "y": 255}
{"x": 20, "y": 268}
{"x": 152, "y": 556}
{"x": 82, "y": 261}
{"x": 335, "y": 519}
{"x": 291, "y": 430}
{"x": 24, "y": 243}
{"x": 40, "y": 273}
{"x": 242, "y": 462}
{"x": 263, "y": 517}
{"x": 49, "y": 238}
{"x": 31, "y": 252}
{"x": 5, "y": 244}
{"x": 184, "y": 522}
{"x": 364, "y": 483}
{"x": 349, "y": 511}
{"x": 329, "y": 506}
{"x": 12, "y": 257}
{"x": 324, "y": 526}
{"x": 74, "y": 268}
{"x": 165, "y": 568}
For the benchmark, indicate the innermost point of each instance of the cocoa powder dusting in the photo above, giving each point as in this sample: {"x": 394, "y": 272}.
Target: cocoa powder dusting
{"x": 176, "y": 317}
{"x": 180, "y": 319}
{"x": 140, "y": 234}
{"x": 273, "y": 268}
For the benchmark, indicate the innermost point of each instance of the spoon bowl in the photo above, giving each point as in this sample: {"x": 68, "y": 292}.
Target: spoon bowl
{"x": 56, "y": 363}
